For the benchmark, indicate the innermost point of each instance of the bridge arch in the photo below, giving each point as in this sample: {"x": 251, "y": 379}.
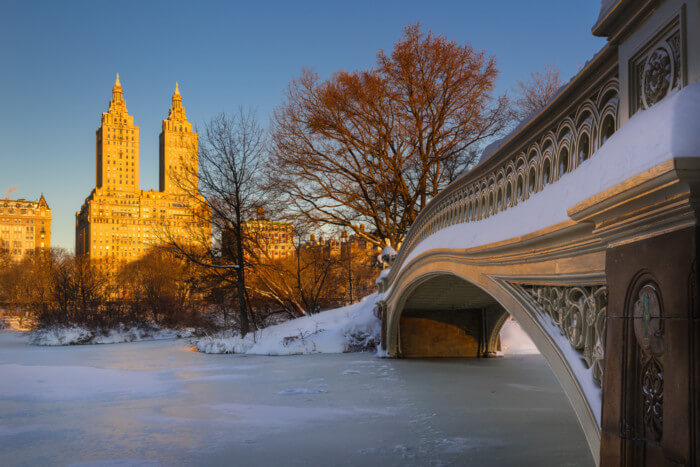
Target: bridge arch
{"x": 465, "y": 322}
{"x": 489, "y": 292}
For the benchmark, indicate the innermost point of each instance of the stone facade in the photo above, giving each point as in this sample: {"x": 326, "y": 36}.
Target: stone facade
{"x": 24, "y": 226}
{"x": 347, "y": 246}
{"x": 272, "y": 240}
{"x": 119, "y": 222}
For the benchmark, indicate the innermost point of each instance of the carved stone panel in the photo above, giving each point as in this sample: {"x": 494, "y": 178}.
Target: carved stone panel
{"x": 649, "y": 333}
{"x": 652, "y": 382}
{"x": 656, "y": 69}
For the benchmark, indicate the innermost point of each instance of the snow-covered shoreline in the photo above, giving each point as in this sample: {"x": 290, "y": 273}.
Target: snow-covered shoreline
{"x": 353, "y": 328}
{"x": 77, "y": 335}
{"x": 348, "y": 329}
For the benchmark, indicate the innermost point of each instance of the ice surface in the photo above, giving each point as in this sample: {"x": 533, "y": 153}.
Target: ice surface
{"x": 294, "y": 391}
{"x": 133, "y": 404}
{"x": 117, "y": 463}
{"x": 58, "y": 382}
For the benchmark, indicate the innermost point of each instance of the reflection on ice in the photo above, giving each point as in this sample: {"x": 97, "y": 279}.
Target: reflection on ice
{"x": 293, "y": 391}
{"x": 117, "y": 463}
{"x": 269, "y": 416}
{"x": 76, "y": 382}
{"x": 14, "y": 430}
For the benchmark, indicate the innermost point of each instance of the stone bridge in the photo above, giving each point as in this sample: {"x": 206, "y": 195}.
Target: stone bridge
{"x": 582, "y": 224}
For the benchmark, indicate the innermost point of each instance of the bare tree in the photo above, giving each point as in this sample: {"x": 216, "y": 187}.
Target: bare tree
{"x": 300, "y": 281}
{"x": 231, "y": 154}
{"x": 374, "y": 146}
{"x": 89, "y": 284}
{"x": 534, "y": 94}
{"x": 159, "y": 283}
{"x": 63, "y": 290}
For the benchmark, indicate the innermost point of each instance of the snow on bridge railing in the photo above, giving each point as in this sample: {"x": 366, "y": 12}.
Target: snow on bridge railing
{"x": 537, "y": 153}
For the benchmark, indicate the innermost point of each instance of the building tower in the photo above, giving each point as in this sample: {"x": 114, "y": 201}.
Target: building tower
{"x": 117, "y": 146}
{"x": 179, "y": 161}
{"x": 118, "y": 222}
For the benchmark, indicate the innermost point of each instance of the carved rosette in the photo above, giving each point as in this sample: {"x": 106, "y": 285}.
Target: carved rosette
{"x": 580, "y": 313}
{"x": 657, "y": 70}
{"x": 657, "y": 76}
{"x": 649, "y": 333}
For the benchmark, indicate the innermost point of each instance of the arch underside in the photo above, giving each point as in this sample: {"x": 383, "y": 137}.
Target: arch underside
{"x": 448, "y": 317}
{"x": 466, "y": 302}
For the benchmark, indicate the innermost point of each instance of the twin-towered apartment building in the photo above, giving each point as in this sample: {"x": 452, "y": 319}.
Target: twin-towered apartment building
{"x": 118, "y": 221}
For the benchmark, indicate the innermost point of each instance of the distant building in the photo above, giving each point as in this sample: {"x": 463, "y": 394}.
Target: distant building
{"x": 24, "y": 226}
{"x": 348, "y": 246}
{"x": 119, "y": 222}
{"x": 263, "y": 239}
{"x": 272, "y": 240}
{"x": 355, "y": 263}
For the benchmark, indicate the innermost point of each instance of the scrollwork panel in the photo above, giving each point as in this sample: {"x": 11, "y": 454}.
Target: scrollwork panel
{"x": 580, "y": 313}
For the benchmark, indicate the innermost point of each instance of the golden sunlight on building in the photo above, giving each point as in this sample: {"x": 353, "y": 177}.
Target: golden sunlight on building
{"x": 119, "y": 222}
{"x": 24, "y": 226}
{"x": 270, "y": 240}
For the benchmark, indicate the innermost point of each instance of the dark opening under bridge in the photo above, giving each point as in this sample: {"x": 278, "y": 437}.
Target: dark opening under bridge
{"x": 583, "y": 225}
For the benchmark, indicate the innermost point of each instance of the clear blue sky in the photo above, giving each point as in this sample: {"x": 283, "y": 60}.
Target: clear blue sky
{"x": 58, "y": 61}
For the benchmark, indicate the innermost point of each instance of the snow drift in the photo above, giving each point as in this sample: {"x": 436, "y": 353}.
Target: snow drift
{"x": 348, "y": 329}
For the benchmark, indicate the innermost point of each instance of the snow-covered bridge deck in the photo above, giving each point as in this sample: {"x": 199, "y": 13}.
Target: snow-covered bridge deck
{"x": 582, "y": 225}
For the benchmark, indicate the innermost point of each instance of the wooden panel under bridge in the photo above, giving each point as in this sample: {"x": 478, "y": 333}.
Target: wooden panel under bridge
{"x": 453, "y": 333}
{"x": 448, "y": 317}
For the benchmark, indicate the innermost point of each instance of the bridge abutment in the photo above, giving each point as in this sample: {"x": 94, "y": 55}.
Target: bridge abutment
{"x": 651, "y": 391}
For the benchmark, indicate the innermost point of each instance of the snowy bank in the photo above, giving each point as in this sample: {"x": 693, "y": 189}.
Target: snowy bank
{"x": 353, "y": 328}
{"x": 77, "y": 335}
{"x": 348, "y": 329}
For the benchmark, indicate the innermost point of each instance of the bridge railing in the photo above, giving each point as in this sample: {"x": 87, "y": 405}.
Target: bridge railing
{"x": 540, "y": 151}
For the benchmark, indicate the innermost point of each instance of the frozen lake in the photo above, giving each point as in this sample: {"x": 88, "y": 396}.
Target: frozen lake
{"x": 159, "y": 403}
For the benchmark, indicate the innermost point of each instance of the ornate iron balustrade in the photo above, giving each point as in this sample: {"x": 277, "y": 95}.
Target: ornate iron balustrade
{"x": 541, "y": 151}
{"x": 580, "y": 313}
